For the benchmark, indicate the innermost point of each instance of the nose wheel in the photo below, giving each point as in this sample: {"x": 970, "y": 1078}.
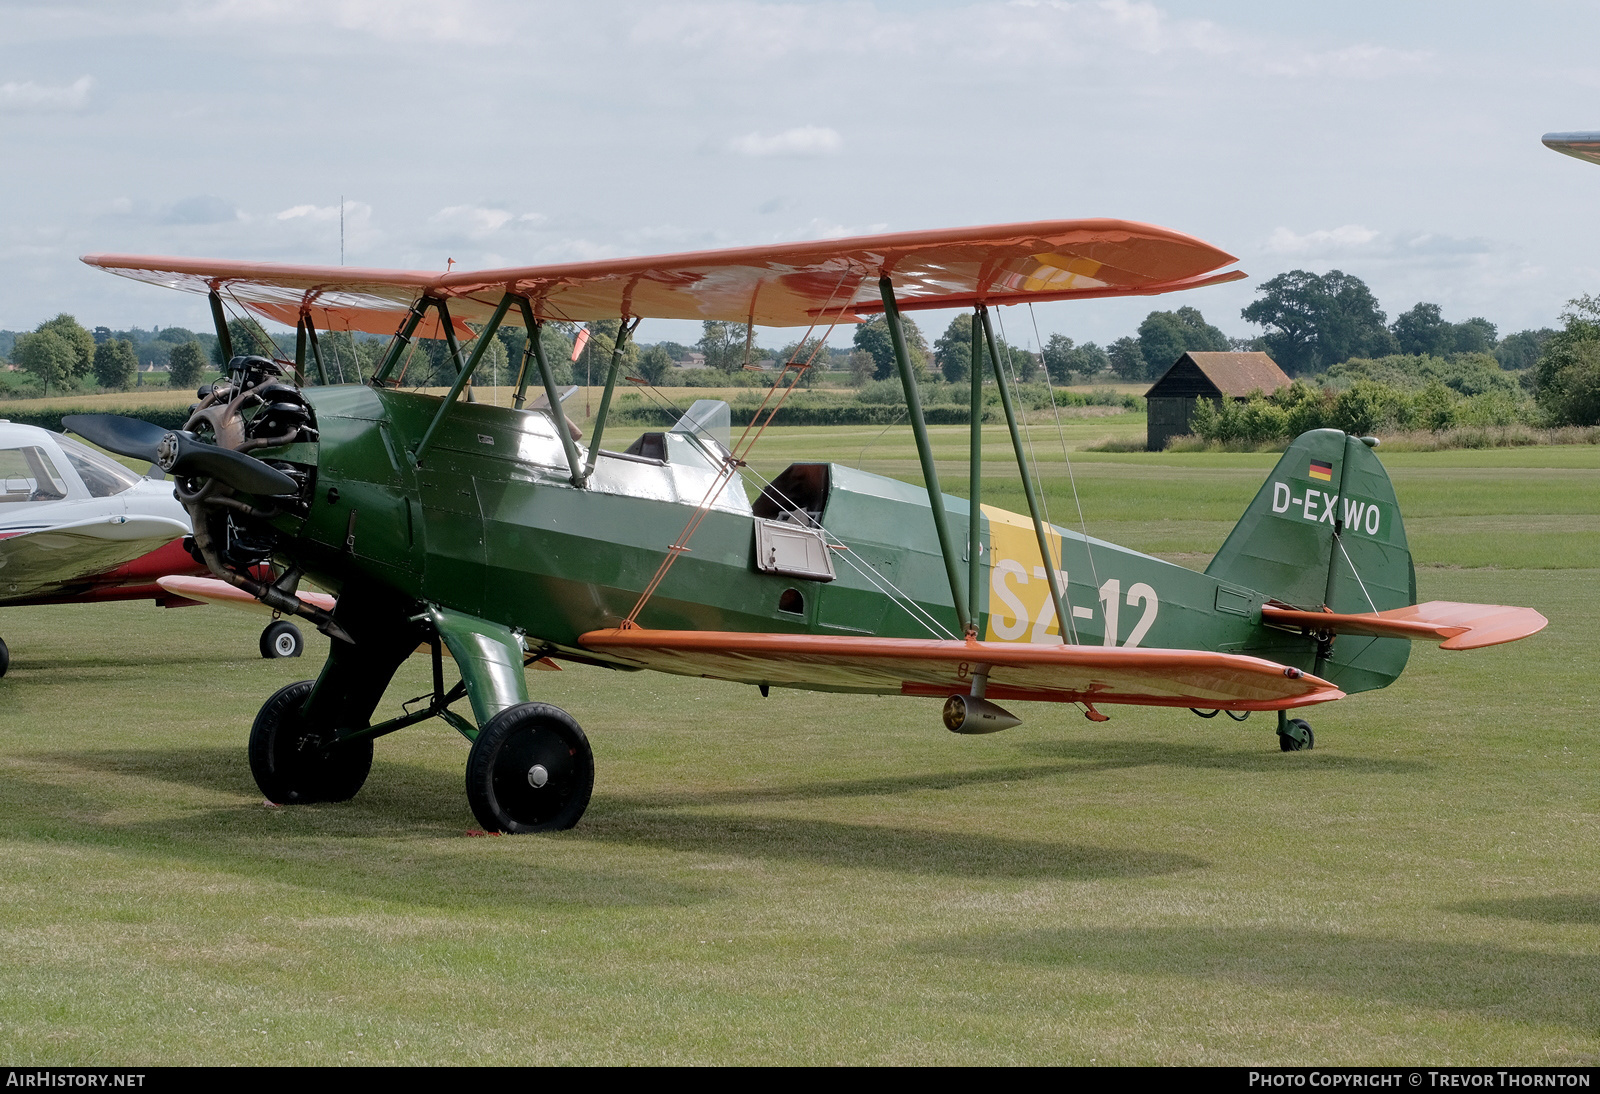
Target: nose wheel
{"x": 530, "y": 770}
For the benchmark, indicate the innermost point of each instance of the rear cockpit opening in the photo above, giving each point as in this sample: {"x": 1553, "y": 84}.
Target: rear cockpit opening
{"x": 797, "y": 496}
{"x": 652, "y": 446}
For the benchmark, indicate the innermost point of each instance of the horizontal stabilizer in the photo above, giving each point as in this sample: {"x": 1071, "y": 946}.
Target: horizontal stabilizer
{"x": 1015, "y": 670}
{"x": 1456, "y": 626}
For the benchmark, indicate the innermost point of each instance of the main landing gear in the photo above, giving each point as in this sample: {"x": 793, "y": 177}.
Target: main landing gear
{"x": 5, "y": 657}
{"x": 530, "y": 770}
{"x": 294, "y": 762}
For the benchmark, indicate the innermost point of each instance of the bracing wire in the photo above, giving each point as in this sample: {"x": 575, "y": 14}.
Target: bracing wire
{"x": 929, "y": 621}
{"x": 1083, "y": 525}
{"x": 1070, "y": 624}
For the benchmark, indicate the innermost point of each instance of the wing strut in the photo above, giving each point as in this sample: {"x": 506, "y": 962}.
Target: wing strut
{"x": 552, "y": 396}
{"x": 485, "y": 336}
{"x": 930, "y": 474}
{"x": 1063, "y": 613}
{"x": 624, "y": 329}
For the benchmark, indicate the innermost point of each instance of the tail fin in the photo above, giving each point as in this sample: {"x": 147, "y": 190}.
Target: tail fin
{"x": 1325, "y": 531}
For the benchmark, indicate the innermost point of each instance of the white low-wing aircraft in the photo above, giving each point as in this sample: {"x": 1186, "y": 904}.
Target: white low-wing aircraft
{"x": 77, "y": 527}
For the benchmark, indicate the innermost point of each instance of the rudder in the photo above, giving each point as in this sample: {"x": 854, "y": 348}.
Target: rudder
{"x": 1325, "y": 531}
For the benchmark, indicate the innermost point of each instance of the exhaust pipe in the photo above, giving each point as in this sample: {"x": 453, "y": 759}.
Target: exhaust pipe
{"x": 969, "y": 714}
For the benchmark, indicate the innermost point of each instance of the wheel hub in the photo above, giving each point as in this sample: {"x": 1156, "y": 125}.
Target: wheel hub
{"x": 538, "y": 775}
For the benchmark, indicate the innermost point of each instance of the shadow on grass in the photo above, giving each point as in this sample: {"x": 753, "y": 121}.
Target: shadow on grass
{"x": 1496, "y": 982}
{"x": 1556, "y": 908}
{"x": 872, "y": 846}
{"x": 403, "y": 804}
{"x": 1105, "y": 755}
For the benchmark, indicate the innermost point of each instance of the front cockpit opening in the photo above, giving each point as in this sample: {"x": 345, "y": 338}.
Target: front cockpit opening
{"x": 797, "y": 496}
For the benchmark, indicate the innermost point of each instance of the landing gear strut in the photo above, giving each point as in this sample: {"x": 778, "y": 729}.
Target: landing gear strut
{"x": 1294, "y": 734}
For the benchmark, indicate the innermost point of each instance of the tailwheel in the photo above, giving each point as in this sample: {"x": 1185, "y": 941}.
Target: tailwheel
{"x": 1294, "y": 735}
{"x": 282, "y": 639}
{"x": 294, "y": 763}
{"x": 530, "y": 770}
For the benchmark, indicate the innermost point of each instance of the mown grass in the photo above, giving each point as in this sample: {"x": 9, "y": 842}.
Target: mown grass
{"x": 815, "y": 879}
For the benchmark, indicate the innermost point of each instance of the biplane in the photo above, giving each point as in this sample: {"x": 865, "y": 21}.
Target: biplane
{"x": 502, "y": 536}
{"x": 77, "y": 527}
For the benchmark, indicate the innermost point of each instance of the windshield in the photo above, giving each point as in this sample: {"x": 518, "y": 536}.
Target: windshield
{"x": 102, "y": 475}
{"x": 28, "y": 474}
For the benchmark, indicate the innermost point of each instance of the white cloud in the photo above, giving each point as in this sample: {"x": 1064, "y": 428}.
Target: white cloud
{"x": 804, "y": 140}
{"x": 479, "y": 222}
{"x": 354, "y": 211}
{"x": 1342, "y": 240}
{"x": 27, "y": 97}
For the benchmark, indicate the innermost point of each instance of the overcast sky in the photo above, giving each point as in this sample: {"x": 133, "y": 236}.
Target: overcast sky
{"x": 1398, "y": 142}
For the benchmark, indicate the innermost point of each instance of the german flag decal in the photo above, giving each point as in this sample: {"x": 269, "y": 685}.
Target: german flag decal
{"x": 1320, "y": 469}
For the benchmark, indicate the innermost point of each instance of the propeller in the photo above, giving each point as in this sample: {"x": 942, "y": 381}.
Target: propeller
{"x": 180, "y": 453}
{"x": 125, "y": 436}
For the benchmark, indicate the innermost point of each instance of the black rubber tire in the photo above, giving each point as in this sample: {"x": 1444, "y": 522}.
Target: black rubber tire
{"x": 282, "y": 638}
{"x": 501, "y": 766}
{"x": 289, "y": 760}
{"x": 5, "y": 657}
{"x": 1287, "y": 743}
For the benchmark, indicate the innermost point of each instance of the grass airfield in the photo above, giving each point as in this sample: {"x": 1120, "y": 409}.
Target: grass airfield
{"x": 826, "y": 879}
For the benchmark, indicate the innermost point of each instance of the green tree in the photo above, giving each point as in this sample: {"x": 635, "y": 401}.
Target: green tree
{"x": 1126, "y": 359}
{"x": 874, "y": 338}
{"x": 1422, "y": 330}
{"x": 46, "y": 356}
{"x": 1314, "y": 321}
{"x": 722, "y": 343}
{"x": 863, "y": 367}
{"x": 185, "y": 365}
{"x": 1087, "y": 360}
{"x": 116, "y": 366}
{"x": 1164, "y": 336}
{"x": 952, "y": 350}
{"x": 1520, "y": 350}
{"x": 654, "y": 364}
{"x": 1058, "y": 359}
{"x": 81, "y": 341}
{"x": 1475, "y": 335}
{"x": 812, "y": 350}
{"x": 1567, "y": 376}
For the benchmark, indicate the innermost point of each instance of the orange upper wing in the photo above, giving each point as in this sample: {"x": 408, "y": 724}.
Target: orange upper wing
{"x": 788, "y": 284}
{"x": 914, "y": 666}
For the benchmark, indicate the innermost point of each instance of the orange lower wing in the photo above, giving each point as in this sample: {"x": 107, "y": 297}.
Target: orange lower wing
{"x": 1457, "y": 626}
{"x": 1063, "y": 674}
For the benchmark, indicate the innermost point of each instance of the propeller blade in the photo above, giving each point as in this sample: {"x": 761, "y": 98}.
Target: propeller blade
{"x": 183, "y": 455}
{"x": 125, "y": 436}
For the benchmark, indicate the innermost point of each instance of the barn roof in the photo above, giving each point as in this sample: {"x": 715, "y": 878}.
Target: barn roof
{"x": 1231, "y": 374}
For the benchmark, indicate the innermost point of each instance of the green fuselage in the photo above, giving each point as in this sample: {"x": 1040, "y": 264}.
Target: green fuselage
{"x": 491, "y": 526}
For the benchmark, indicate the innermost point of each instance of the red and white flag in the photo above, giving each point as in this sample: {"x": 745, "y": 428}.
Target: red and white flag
{"x": 579, "y": 342}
